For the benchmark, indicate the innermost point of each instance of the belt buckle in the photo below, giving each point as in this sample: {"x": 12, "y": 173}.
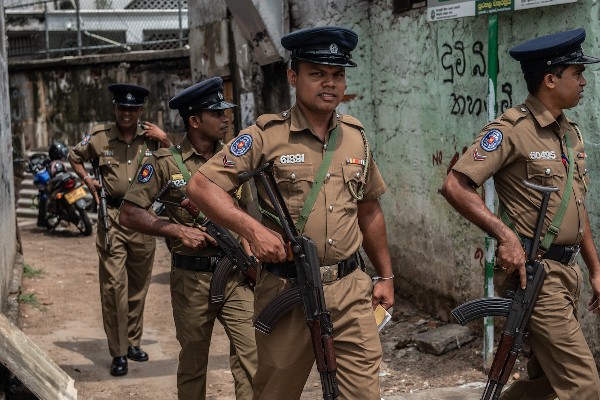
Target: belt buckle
{"x": 574, "y": 254}
{"x": 329, "y": 273}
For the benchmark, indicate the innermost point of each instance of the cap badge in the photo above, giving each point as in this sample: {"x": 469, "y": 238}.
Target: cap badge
{"x": 333, "y": 48}
{"x": 220, "y": 95}
{"x": 129, "y": 96}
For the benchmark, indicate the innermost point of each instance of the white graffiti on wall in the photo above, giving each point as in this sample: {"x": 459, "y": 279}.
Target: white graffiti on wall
{"x": 21, "y": 98}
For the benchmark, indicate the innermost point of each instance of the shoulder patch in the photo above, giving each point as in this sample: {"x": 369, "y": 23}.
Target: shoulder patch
{"x": 85, "y": 140}
{"x": 512, "y": 115}
{"x": 241, "y": 145}
{"x": 350, "y": 120}
{"x": 267, "y": 119}
{"x": 491, "y": 140}
{"x": 146, "y": 173}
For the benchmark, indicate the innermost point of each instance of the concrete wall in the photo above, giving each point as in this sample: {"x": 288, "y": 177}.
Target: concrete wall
{"x": 420, "y": 90}
{"x": 61, "y": 99}
{"x": 8, "y": 242}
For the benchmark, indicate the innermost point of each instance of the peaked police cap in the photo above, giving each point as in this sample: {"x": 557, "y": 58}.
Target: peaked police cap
{"x": 329, "y": 45}
{"x": 550, "y": 50}
{"x": 126, "y": 94}
{"x": 205, "y": 95}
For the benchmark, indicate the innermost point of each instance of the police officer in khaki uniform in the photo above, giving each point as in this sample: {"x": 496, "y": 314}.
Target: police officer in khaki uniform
{"x": 194, "y": 252}
{"x": 126, "y": 268}
{"x": 535, "y": 141}
{"x": 345, "y": 209}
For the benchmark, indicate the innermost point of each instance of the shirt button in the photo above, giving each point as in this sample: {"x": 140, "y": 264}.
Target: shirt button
{"x": 548, "y": 171}
{"x": 358, "y": 174}
{"x": 293, "y": 176}
{"x": 129, "y": 179}
{"x": 108, "y": 162}
{"x": 330, "y": 241}
{"x": 330, "y": 208}
{"x": 523, "y": 109}
{"x": 328, "y": 176}
{"x": 284, "y": 114}
{"x": 337, "y": 115}
{"x": 581, "y": 231}
{"x": 178, "y": 147}
{"x": 129, "y": 162}
{"x": 325, "y": 146}
{"x": 585, "y": 171}
{"x": 128, "y": 146}
{"x": 579, "y": 201}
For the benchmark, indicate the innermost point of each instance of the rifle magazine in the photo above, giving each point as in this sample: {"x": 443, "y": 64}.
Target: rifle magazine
{"x": 484, "y": 307}
{"x": 219, "y": 280}
{"x": 277, "y": 308}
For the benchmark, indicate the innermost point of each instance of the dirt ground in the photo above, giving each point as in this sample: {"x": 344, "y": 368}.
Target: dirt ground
{"x": 66, "y": 323}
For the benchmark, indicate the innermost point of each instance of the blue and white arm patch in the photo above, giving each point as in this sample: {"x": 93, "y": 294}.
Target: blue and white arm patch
{"x": 85, "y": 140}
{"x": 146, "y": 173}
{"x": 491, "y": 140}
{"x": 241, "y": 145}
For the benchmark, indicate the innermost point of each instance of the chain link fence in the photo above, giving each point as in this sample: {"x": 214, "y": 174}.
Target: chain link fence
{"x": 58, "y": 28}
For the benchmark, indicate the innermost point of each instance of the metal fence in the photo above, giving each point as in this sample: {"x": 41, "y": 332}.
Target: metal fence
{"x": 57, "y": 28}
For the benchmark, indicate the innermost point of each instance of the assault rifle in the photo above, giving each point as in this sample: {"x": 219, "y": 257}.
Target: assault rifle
{"x": 517, "y": 308}
{"x": 233, "y": 252}
{"x": 102, "y": 210}
{"x": 308, "y": 289}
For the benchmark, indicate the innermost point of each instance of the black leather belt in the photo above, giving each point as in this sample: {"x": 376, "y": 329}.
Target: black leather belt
{"x": 114, "y": 202}
{"x": 196, "y": 264}
{"x": 288, "y": 269}
{"x": 563, "y": 254}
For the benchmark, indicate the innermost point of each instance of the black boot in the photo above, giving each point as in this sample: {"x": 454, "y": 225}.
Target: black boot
{"x": 119, "y": 366}
{"x": 136, "y": 354}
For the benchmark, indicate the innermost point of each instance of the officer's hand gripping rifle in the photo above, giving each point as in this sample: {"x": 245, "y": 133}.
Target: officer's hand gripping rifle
{"x": 102, "y": 210}
{"x": 308, "y": 290}
{"x": 517, "y": 308}
{"x": 234, "y": 253}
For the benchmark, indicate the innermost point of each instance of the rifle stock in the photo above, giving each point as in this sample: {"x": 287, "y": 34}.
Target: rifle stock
{"x": 103, "y": 210}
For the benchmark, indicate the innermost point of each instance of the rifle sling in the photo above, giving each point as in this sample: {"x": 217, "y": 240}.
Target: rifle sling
{"x": 554, "y": 227}
{"x": 186, "y": 175}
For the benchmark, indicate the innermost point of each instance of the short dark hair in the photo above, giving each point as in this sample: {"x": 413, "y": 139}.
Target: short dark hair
{"x": 535, "y": 79}
{"x": 296, "y": 65}
{"x": 186, "y": 119}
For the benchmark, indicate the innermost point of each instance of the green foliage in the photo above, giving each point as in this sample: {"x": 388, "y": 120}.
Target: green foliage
{"x": 29, "y": 298}
{"x": 29, "y": 272}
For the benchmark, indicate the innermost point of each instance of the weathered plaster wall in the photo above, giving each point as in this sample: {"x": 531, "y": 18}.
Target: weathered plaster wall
{"x": 61, "y": 101}
{"x": 8, "y": 242}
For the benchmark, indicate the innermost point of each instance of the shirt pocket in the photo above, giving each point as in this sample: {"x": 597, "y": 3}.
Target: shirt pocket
{"x": 109, "y": 167}
{"x": 294, "y": 183}
{"x": 354, "y": 178}
{"x": 545, "y": 173}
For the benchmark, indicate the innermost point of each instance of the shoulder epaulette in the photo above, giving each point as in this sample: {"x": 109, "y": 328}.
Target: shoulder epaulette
{"x": 350, "y": 120}
{"x": 266, "y": 119}
{"x": 162, "y": 152}
{"x": 513, "y": 115}
{"x": 101, "y": 128}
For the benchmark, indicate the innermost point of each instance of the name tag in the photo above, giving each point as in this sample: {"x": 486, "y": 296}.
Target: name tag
{"x": 292, "y": 159}
{"x": 108, "y": 153}
{"x": 178, "y": 180}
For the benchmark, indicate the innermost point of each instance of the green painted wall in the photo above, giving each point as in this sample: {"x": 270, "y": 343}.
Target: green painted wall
{"x": 427, "y": 104}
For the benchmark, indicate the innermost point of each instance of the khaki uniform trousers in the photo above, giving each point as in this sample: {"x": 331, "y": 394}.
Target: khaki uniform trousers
{"x": 562, "y": 364}
{"x": 285, "y": 357}
{"x": 124, "y": 277}
{"x": 195, "y": 316}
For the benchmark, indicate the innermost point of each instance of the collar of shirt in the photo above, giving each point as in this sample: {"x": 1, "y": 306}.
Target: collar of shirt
{"x": 300, "y": 123}
{"x": 543, "y": 116}
{"x": 115, "y": 133}
{"x": 187, "y": 150}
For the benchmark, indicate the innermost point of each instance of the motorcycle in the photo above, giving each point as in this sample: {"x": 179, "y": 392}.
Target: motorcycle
{"x": 60, "y": 197}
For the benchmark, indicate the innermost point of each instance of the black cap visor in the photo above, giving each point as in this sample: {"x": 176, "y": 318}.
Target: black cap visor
{"x": 583, "y": 60}
{"x": 129, "y": 103}
{"x": 221, "y": 105}
{"x": 327, "y": 60}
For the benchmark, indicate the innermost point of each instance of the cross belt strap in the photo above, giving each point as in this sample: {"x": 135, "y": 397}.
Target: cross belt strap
{"x": 186, "y": 175}
{"x": 554, "y": 227}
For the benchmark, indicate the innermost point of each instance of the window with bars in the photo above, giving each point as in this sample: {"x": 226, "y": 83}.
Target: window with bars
{"x": 25, "y": 44}
{"x": 150, "y": 36}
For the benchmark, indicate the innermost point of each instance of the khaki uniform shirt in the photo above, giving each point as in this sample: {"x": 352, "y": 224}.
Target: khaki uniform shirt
{"x": 164, "y": 168}
{"x": 531, "y": 149}
{"x": 289, "y": 141}
{"x": 118, "y": 159}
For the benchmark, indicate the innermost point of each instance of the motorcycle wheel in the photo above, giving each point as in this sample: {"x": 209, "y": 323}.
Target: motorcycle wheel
{"x": 84, "y": 225}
